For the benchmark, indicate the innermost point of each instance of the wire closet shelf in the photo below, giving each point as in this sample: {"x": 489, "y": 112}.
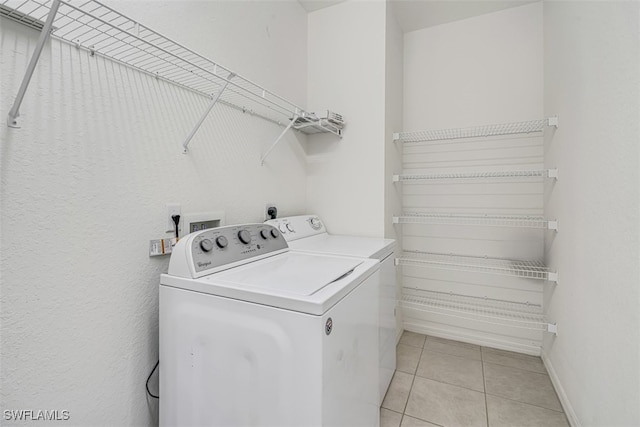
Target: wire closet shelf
{"x": 103, "y": 31}
{"x": 519, "y": 174}
{"x": 526, "y": 127}
{"x": 487, "y": 310}
{"x": 504, "y": 267}
{"x": 519, "y": 221}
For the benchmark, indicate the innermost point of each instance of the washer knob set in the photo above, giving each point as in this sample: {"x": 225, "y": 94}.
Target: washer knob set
{"x": 273, "y": 233}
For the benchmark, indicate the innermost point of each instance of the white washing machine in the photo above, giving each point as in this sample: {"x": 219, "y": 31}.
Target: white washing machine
{"x": 307, "y": 233}
{"x": 254, "y": 334}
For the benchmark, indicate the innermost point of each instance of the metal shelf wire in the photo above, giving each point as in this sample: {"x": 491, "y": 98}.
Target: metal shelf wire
{"x": 536, "y": 173}
{"x": 476, "y": 131}
{"x": 478, "y": 220}
{"x": 103, "y": 31}
{"x": 504, "y": 267}
{"x": 504, "y": 313}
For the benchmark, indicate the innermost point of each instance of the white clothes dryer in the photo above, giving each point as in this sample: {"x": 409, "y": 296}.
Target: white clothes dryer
{"x": 308, "y": 233}
{"x": 254, "y": 334}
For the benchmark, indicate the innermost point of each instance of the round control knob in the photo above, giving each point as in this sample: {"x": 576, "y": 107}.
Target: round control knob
{"x": 274, "y": 233}
{"x": 264, "y": 234}
{"x": 315, "y": 223}
{"x": 206, "y": 245}
{"x": 289, "y": 227}
{"x": 244, "y": 236}
{"x": 222, "y": 242}
{"x": 283, "y": 228}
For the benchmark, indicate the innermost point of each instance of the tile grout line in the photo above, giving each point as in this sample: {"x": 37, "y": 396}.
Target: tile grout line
{"x": 411, "y": 388}
{"x": 484, "y": 384}
{"x": 453, "y": 385}
{"x": 413, "y": 380}
{"x": 546, "y": 374}
{"x": 524, "y": 403}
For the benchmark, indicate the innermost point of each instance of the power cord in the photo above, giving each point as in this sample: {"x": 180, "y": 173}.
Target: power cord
{"x": 149, "y": 391}
{"x": 176, "y": 221}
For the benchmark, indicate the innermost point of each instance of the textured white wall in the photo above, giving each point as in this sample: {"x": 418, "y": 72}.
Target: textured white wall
{"x": 347, "y": 74}
{"x": 84, "y": 184}
{"x": 592, "y": 81}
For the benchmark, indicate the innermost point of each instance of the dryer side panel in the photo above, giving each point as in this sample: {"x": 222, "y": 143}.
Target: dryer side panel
{"x": 351, "y": 358}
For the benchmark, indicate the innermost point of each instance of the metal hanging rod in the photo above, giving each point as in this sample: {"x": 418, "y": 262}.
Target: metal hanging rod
{"x": 103, "y": 31}
{"x": 487, "y": 310}
{"x": 539, "y": 173}
{"x": 499, "y": 266}
{"x": 476, "y": 220}
{"x": 477, "y": 131}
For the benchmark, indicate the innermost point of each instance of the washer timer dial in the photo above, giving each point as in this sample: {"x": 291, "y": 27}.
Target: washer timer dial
{"x": 222, "y": 242}
{"x": 206, "y": 245}
{"x": 244, "y": 236}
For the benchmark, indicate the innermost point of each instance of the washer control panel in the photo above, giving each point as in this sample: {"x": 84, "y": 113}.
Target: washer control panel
{"x": 207, "y": 251}
{"x": 298, "y": 227}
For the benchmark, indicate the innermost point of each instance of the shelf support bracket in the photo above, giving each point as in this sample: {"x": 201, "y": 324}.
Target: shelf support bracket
{"x": 552, "y": 328}
{"x": 214, "y": 100}
{"x": 293, "y": 120}
{"x": 14, "y": 113}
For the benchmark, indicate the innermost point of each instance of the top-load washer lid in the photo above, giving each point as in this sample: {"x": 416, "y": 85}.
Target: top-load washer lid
{"x": 304, "y": 282}
{"x": 291, "y": 273}
{"x": 308, "y": 233}
{"x": 365, "y": 247}
{"x": 251, "y": 262}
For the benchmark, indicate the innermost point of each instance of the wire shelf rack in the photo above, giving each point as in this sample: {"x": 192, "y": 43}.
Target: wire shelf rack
{"x": 476, "y": 220}
{"x": 504, "y": 267}
{"x": 103, "y": 31}
{"x": 493, "y": 311}
{"x": 526, "y": 127}
{"x": 537, "y": 173}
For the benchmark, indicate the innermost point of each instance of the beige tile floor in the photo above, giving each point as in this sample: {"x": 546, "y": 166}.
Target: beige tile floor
{"x": 447, "y": 383}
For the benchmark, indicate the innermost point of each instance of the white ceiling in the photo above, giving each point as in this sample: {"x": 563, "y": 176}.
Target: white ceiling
{"x": 416, "y": 14}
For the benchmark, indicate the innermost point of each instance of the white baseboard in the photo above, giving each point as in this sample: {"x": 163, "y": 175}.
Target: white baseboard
{"x": 562, "y": 395}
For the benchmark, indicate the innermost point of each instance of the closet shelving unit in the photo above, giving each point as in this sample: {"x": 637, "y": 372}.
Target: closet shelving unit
{"x": 493, "y": 311}
{"x": 476, "y": 220}
{"x": 482, "y": 175}
{"x": 103, "y": 31}
{"x": 487, "y": 310}
{"x": 440, "y": 135}
{"x": 500, "y": 266}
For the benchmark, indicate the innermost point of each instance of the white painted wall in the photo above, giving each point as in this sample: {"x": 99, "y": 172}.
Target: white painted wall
{"x": 84, "y": 184}
{"x": 393, "y": 123}
{"x": 592, "y": 81}
{"x": 477, "y": 71}
{"x": 393, "y": 119}
{"x": 345, "y": 183}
